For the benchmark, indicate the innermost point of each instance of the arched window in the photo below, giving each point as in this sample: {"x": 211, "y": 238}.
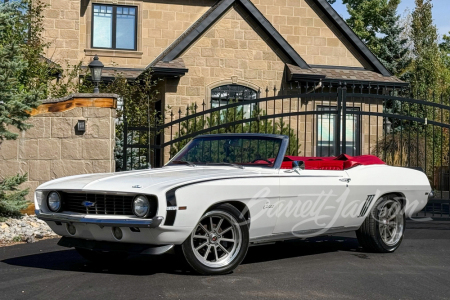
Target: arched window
{"x": 225, "y": 94}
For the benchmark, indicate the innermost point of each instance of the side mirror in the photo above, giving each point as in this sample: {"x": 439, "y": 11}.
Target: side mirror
{"x": 298, "y": 165}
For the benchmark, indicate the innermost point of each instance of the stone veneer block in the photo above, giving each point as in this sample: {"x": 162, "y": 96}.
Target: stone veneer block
{"x": 101, "y": 166}
{"x": 98, "y": 128}
{"x": 62, "y": 168}
{"x": 72, "y": 149}
{"x": 62, "y": 128}
{"x": 41, "y": 128}
{"x": 39, "y": 170}
{"x": 29, "y": 149}
{"x": 95, "y": 148}
{"x": 49, "y": 149}
{"x": 8, "y": 149}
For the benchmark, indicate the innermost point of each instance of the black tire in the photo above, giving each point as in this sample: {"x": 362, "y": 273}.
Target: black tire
{"x": 103, "y": 258}
{"x": 225, "y": 262}
{"x": 370, "y": 233}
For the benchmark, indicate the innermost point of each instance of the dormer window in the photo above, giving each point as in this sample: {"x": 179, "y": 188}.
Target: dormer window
{"x": 114, "y": 27}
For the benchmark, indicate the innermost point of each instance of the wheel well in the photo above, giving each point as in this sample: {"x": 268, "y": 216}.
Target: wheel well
{"x": 396, "y": 195}
{"x": 239, "y": 206}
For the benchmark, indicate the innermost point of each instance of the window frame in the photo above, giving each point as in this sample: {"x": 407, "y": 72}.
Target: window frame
{"x": 114, "y": 26}
{"x": 357, "y": 131}
{"x": 219, "y": 102}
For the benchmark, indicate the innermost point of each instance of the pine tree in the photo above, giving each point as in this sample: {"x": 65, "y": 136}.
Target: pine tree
{"x": 368, "y": 17}
{"x": 393, "y": 49}
{"x": 18, "y": 94}
{"x": 376, "y": 22}
{"x": 427, "y": 65}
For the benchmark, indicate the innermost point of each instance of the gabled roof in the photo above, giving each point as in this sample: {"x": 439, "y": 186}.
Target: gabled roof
{"x": 169, "y": 63}
{"x": 210, "y": 17}
{"x": 328, "y": 73}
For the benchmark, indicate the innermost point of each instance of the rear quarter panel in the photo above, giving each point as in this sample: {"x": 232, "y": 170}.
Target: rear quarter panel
{"x": 380, "y": 180}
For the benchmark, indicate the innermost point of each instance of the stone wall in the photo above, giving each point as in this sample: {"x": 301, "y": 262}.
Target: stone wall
{"x": 52, "y": 148}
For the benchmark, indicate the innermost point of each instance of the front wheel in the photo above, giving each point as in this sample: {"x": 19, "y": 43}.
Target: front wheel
{"x": 383, "y": 229}
{"x": 219, "y": 241}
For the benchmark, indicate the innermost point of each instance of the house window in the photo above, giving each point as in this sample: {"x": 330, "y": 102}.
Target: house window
{"x": 230, "y": 93}
{"x": 114, "y": 27}
{"x": 326, "y": 132}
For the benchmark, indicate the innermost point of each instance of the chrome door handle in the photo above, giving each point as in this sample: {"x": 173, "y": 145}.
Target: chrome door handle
{"x": 345, "y": 180}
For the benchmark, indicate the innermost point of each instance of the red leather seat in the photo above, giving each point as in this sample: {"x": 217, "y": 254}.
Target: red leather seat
{"x": 324, "y": 165}
{"x": 341, "y": 162}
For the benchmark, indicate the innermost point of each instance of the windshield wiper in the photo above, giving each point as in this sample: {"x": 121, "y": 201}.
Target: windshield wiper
{"x": 184, "y": 162}
{"x": 226, "y": 164}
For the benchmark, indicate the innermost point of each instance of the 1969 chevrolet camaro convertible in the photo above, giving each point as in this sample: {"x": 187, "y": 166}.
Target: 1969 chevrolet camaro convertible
{"x": 223, "y": 193}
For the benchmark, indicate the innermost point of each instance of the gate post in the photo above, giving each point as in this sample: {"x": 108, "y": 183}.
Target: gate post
{"x": 125, "y": 138}
{"x": 343, "y": 97}
{"x": 337, "y": 134}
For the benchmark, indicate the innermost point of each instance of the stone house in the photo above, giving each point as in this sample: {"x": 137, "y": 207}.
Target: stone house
{"x": 206, "y": 48}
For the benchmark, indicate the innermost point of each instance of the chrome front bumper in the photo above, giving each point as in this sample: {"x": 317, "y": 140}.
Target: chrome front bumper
{"x": 65, "y": 218}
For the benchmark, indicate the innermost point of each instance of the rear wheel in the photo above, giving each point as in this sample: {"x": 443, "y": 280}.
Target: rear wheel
{"x": 219, "y": 241}
{"x": 383, "y": 229}
{"x": 100, "y": 257}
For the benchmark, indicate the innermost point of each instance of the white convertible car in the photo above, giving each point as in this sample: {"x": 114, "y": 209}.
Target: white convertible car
{"x": 223, "y": 193}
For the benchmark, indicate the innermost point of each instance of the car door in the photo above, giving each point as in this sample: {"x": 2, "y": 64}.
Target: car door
{"x": 310, "y": 200}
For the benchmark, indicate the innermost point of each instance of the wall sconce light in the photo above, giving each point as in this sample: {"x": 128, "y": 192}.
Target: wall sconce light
{"x": 81, "y": 125}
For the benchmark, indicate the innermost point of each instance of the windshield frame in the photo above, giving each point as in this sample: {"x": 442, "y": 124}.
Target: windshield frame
{"x": 278, "y": 160}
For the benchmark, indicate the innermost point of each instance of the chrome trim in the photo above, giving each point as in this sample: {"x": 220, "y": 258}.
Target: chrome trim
{"x": 65, "y": 218}
{"x": 345, "y": 180}
{"x": 291, "y": 235}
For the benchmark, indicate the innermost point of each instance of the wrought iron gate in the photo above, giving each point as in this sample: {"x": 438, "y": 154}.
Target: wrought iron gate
{"x": 322, "y": 119}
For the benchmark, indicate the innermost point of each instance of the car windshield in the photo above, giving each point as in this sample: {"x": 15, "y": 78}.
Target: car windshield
{"x": 237, "y": 151}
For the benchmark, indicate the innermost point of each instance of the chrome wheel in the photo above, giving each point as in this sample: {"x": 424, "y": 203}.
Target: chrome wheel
{"x": 391, "y": 222}
{"x": 217, "y": 239}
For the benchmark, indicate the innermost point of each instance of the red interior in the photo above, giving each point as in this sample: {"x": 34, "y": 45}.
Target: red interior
{"x": 342, "y": 162}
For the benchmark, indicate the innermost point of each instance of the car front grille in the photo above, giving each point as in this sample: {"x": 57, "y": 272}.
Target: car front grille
{"x": 102, "y": 204}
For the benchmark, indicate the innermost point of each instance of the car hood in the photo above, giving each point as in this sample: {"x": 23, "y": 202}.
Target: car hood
{"x": 148, "y": 180}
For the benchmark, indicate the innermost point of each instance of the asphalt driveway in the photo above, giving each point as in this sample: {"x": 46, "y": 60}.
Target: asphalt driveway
{"x": 319, "y": 268}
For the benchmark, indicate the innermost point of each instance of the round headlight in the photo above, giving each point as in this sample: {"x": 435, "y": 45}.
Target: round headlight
{"x": 53, "y": 201}
{"x": 141, "y": 206}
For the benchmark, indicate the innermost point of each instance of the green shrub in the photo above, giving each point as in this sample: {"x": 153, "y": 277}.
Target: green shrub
{"x": 12, "y": 200}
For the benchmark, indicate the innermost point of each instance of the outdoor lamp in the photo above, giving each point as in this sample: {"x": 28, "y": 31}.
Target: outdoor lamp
{"x": 96, "y": 67}
{"x": 387, "y": 125}
{"x": 81, "y": 125}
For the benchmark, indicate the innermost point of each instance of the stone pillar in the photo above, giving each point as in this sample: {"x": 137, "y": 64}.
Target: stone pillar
{"x": 53, "y": 148}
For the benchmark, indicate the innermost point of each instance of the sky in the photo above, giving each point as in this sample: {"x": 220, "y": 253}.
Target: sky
{"x": 441, "y": 10}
